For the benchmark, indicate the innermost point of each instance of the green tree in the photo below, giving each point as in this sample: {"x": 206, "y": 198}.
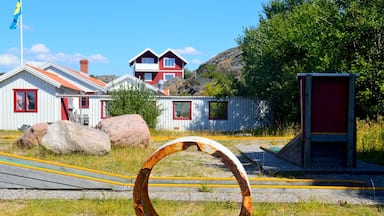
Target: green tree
{"x": 135, "y": 99}
{"x": 221, "y": 84}
{"x": 314, "y": 36}
{"x": 187, "y": 73}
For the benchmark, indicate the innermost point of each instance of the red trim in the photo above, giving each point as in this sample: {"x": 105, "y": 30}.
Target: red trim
{"x": 64, "y": 109}
{"x": 226, "y": 110}
{"x": 25, "y": 104}
{"x": 175, "y": 117}
{"x": 84, "y": 105}
{"x": 103, "y": 104}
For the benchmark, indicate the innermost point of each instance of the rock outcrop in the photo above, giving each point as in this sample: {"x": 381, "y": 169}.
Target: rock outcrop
{"x": 228, "y": 61}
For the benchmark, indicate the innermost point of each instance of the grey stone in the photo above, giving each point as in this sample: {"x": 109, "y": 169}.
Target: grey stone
{"x": 65, "y": 137}
{"x": 126, "y": 130}
{"x": 32, "y": 136}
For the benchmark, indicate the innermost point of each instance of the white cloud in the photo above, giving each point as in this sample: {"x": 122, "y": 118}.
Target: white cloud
{"x": 188, "y": 51}
{"x": 197, "y": 61}
{"x": 97, "y": 58}
{"x": 9, "y": 60}
{"x": 40, "y": 53}
{"x": 39, "y": 48}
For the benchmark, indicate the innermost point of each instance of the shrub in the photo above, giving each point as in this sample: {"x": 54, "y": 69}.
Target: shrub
{"x": 135, "y": 99}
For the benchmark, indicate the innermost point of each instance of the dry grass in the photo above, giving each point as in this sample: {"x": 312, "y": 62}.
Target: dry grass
{"x": 128, "y": 161}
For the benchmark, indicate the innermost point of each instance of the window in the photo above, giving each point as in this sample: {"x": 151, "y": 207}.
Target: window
{"x": 168, "y": 76}
{"x": 148, "y": 76}
{"x": 169, "y": 62}
{"x": 146, "y": 60}
{"x": 182, "y": 110}
{"x": 84, "y": 102}
{"x": 218, "y": 110}
{"x": 25, "y": 100}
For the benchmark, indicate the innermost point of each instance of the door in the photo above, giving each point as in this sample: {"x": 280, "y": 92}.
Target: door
{"x": 64, "y": 109}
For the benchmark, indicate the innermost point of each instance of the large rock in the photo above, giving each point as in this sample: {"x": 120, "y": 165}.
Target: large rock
{"x": 227, "y": 62}
{"x": 126, "y": 130}
{"x": 32, "y": 136}
{"x": 65, "y": 137}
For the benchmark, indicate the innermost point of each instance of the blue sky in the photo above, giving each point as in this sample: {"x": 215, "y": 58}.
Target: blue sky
{"x": 110, "y": 33}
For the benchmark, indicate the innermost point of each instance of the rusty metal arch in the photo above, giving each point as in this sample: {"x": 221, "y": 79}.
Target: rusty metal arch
{"x": 142, "y": 203}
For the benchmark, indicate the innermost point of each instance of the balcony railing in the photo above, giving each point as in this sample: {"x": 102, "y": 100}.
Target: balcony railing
{"x": 146, "y": 67}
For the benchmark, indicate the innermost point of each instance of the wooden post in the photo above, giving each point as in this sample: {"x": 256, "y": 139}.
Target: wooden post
{"x": 351, "y": 136}
{"x": 307, "y": 113}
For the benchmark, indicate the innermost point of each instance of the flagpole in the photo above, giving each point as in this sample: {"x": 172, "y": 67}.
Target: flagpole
{"x": 21, "y": 34}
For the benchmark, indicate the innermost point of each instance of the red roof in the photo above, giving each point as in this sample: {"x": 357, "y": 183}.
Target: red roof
{"x": 58, "y": 79}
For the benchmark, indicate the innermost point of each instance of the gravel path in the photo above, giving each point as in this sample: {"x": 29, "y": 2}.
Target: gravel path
{"x": 259, "y": 195}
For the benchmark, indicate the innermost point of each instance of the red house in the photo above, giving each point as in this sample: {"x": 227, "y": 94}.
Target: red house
{"x": 154, "y": 68}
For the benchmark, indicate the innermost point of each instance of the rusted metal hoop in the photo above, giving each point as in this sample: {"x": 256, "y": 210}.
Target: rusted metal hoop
{"x": 142, "y": 203}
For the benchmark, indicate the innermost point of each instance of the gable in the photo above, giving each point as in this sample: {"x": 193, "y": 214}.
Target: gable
{"x": 129, "y": 81}
{"x": 83, "y": 81}
{"x": 172, "y": 54}
{"x": 145, "y": 53}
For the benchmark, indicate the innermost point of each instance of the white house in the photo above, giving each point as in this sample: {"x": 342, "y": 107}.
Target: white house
{"x": 128, "y": 81}
{"x": 48, "y": 93}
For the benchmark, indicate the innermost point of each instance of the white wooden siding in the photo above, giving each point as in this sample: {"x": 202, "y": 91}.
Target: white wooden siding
{"x": 94, "y": 110}
{"x": 243, "y": 114}
{"x": 48, "y": 109}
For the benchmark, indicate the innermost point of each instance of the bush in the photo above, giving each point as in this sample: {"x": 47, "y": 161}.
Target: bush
{"x": 135, "y": 99}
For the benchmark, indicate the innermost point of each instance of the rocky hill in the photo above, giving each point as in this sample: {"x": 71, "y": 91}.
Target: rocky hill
{"x": 226, "y": 61}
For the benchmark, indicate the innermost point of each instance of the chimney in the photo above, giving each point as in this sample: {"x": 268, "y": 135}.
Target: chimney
{"x": 84, "y": 65}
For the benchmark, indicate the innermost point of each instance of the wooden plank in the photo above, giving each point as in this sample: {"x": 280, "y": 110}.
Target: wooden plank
{"x": 351, "y": 139}
{"x": 16, "y": 181}
{"x": 7, "y": 185}
{"x": 44, "y": 177}
{"x": 328, "y": 137}
{"x": 308, "y": 121}
{"x": 64, "y": 169}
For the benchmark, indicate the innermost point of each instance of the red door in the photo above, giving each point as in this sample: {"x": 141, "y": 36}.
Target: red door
{"x": 64, "y": 109}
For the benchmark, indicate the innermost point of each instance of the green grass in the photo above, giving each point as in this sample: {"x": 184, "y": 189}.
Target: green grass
{"x": 370, "y": 140}
{"x": 169, "y": 208}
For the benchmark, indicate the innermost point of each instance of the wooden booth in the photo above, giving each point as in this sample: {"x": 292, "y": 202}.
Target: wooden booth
{"x": 328, "y": 137}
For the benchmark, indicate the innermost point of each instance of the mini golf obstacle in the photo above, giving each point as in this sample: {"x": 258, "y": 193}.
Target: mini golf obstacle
{"x": 142, "y": 203}
{"x": 328, "y": 136}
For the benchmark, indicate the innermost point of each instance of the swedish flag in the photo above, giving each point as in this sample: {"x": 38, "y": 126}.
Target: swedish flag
{"x": 16, "y": 15}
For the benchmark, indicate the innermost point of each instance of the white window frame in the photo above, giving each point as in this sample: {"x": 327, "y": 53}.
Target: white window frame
{"x": 166, "y": 74}
{"x": 167, "y": 61}
{"x": 147, "y": 60}
{"x": 147, "y": 78}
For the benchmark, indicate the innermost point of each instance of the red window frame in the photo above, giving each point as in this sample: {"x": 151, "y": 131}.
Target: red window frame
{"x": 23, "y": 103}
{"x": 210, "y": 112}
{"x": 104, "y": 109}
{"x": 84, "y": 101}
{"x": 180, "y": 116}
